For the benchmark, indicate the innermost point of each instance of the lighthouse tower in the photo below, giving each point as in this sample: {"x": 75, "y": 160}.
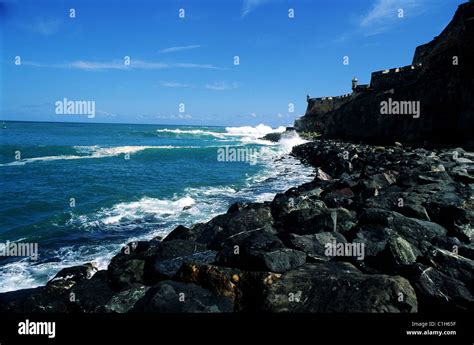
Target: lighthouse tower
{"x": 354, "y": 83}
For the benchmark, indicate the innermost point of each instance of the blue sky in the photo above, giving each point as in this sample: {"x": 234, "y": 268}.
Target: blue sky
{"x": 190, "y": 60}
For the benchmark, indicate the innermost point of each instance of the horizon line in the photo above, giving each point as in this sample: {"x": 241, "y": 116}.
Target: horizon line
{"x": 130, "y": 123}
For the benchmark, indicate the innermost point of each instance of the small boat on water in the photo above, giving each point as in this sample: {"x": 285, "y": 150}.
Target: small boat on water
{"x": 4, "y": 126}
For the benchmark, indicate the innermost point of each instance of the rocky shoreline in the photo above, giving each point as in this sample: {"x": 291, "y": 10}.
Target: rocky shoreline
{"x": 379, "y": 229}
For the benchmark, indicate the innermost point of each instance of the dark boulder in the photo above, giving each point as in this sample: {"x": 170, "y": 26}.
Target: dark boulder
{"x": 68, "y": 277}
{"x": 177, "y": 297}
{"x": 123, "y": 301}
{"x": 140, "y": 264}
{"x": 313, "y": 245}
{"x": 438, "y": 292}
{"x": 338, "y": 287}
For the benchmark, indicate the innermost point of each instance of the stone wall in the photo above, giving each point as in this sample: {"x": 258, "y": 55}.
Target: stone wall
{"x": 326, "y": 104}
{"x": 395, "y": 77}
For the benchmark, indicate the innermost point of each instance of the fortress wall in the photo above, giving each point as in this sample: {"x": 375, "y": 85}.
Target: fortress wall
{"x": 395, "y": 77}
{"x": 326, "y": 104}
{"x": 421, "y": 52}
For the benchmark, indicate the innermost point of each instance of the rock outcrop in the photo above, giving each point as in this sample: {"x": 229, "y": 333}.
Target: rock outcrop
{"x": 441, "y": 79}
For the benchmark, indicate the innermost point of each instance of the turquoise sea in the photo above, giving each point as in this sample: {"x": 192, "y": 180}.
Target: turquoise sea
{"x": 82, "y": 191}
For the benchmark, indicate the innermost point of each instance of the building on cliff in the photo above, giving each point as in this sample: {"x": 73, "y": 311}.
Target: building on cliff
{"x": 441, "y": 78}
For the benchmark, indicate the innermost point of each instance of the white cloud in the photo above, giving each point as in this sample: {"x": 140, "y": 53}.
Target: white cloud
{"x": 196, "y": 65}
{"x": 173, "y": 84}
{"x": 119, "y": 65}
{"x": 249, "y": 5}
{"x": 178, "y": 49}
{"x": 385, "y": 12}
{"x": 45, "y": 27}
{"x": 383, "y": 15}
{"x": 221, "y": 86}
{"x": 93, "y": 66}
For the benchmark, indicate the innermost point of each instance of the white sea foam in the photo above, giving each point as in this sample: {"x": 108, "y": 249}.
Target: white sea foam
{"x": 95, "y": 151}
{"x": 143, "y": 208}
{"x": 246, "y": 134}
{"x": 24, "y": 274}
{"x": 192, "y": 131}
{"x": 160, "y": 216}
{"x": 257, "y": 131}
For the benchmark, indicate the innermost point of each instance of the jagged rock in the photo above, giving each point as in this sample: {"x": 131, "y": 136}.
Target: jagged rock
{"x": 466, "y": 250}
{"x": 71, "y": 290}
{"x": 374, "y": 237}
{"x": 140, "y": 263}
{"x": 68, "y": 277}
{"x": 260, "y": 251}
{"x": 283, "y": 204}
{"x": 310, "y": 221}
{"x": 273, "y": 137}
{"x": 169, "y": 267}
{"x": 438, "y": 292}
{"x": 413, "y": 211}
{"x": 338, "y": 287}
{"x": 252, "y": 217}
{"x": 123, "y": 301}
{"x": 37, "y": 300}
{"x": 313, "y": 245}
{"x": 181, "y": 233}
{"x": 90, "y": 295}
{"x": 396, "y": 254}
{"x": 223, "y": 281}
{"x": 245, "y": 288}
{"x": 176, "y": 297}
{"x": 458, "y": 221}
{"x": 413, "y": 230}
{"x": 453, "y": 265}
{"x": 129, "y": 272}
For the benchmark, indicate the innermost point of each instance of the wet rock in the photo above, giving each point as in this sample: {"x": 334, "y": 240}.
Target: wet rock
{"x": 244, "y": 288}
{"x": 123, "y": 301}
{"x": 167, "y": 268}
{"x": 283, "y": 204}
{"x": 458, "y": 221}
{"x": 37, "y": 300}
{"x": 128, "y": 272}
{"x": 68, "y": 277}
{"x": 90, "y": 295}
{"x": 137, "y": 263}
{"x": 177, "y": 297}
{"x": 252, "y": 217}
{"x": 413, "y": 211}
{"x": 438, "y": 292}
{"x": 223, "y": 281}
{"x": 338, "y": 287}
{"x": 260, "y": 251}
{"x": 396, "y": 255}
{"x": 273, "y": 137}
{"x": 453, "y": 265}
{"x": 311, "y": 221}
{"x": 413, "y": 230}
{"x": 374, "y": 238}
{"x": 313, "y": 245}
{"x": 181, "y": 233}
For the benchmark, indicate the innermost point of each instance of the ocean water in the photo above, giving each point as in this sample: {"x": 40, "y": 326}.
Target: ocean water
{"x": 82, "y": 191}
